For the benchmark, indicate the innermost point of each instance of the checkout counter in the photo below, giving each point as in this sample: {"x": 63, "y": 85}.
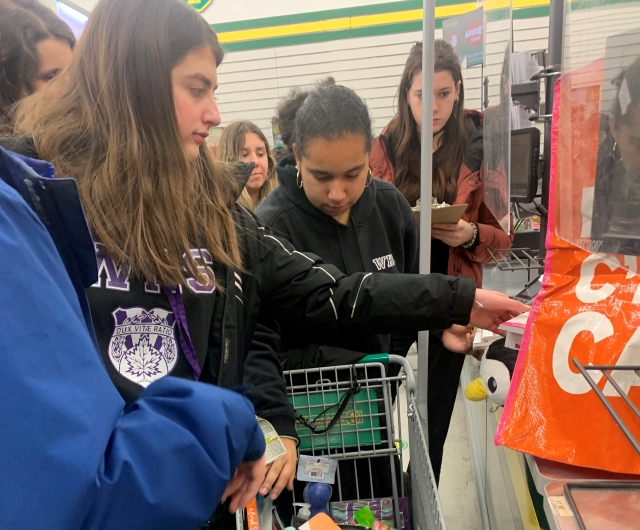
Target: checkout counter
{"x": 518, "y": 491}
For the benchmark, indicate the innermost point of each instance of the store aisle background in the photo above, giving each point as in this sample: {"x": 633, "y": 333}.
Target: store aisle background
{"x": 458, "y": 493}
{"x": 457, "y": 482}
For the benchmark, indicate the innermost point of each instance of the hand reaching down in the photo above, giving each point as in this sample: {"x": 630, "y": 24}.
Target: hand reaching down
{"x": 245, "y": 483}
{"x": 281, "y": 472}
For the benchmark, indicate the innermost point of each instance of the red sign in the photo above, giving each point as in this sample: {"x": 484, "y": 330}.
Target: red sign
{"x": 465, "y": 33}
{"x": 474, "y": 34}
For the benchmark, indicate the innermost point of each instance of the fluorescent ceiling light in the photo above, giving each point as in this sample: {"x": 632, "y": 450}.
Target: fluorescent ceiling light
{"x": 66, "y": 11}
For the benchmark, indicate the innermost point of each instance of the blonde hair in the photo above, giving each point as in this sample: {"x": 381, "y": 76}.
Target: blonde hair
{"x": 109, "y": 122}
{"x": 230, "y": 151}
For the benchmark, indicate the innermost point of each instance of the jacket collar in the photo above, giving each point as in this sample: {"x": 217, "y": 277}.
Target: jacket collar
{"x": 242, "y": 173}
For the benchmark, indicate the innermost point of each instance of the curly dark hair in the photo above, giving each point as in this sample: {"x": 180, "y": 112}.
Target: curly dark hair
{"x": 331, "y": 112}
{"x": 24, "y": 23}
{"x": 288, "y": 108}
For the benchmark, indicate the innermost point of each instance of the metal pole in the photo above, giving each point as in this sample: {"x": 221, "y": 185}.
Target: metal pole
{"x": 426, "y": 185}
{"x": 556, "y": 32}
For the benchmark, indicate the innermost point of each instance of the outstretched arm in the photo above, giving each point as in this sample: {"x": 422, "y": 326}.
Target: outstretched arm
{"x": 301, "y": 290}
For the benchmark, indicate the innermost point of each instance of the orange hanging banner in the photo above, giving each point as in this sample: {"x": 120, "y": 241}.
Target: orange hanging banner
{"x": 588, "y": 309}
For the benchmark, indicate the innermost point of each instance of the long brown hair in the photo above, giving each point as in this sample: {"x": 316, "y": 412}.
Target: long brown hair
{"x": 230, "y": 150}
{"x": 405, "y": 140}
{"x": 24, "y": 23}
{"x": 109, "y": 122}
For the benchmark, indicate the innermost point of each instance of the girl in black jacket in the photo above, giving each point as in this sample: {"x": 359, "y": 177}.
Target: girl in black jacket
{"x": 184, "y": 271}
{"x": 329, "y": 204}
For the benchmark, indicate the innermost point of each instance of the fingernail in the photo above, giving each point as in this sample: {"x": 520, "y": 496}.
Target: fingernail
{"x": 264, "y": 491}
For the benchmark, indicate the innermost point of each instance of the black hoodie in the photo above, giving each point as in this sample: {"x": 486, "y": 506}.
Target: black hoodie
{"x": 138, "y": 328}
{"x": 382, "y": 236}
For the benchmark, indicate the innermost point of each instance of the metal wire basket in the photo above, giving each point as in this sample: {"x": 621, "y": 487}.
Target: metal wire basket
{"x": 350, "y": 413}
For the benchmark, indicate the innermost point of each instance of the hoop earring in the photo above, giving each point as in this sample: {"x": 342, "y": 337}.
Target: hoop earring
{"x": 299, "y": 179}
{"x": 615, "y": 153}
{"x": 369, "y": 180}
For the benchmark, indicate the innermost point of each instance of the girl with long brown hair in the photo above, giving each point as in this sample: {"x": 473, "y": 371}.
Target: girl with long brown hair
{"x": 458, "y": 178}
{"x": 244, "y": 141}
{"x": 183, "y": 270}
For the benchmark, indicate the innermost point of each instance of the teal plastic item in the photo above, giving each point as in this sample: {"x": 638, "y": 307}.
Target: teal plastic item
{"x": 358, "y": 425}
{"x": 375, "y": 358}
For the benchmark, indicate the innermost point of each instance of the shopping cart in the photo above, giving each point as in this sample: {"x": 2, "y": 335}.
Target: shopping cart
{"x": 347, "y": 413}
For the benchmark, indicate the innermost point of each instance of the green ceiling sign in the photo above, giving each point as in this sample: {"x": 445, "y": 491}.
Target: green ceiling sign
{"x": 198, "y": 5}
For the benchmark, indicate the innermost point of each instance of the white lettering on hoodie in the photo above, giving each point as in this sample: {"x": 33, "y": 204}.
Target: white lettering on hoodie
{"x": 384, "y": 262}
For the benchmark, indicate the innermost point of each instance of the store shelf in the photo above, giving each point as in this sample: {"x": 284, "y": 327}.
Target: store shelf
{"x": 546, "y": 471}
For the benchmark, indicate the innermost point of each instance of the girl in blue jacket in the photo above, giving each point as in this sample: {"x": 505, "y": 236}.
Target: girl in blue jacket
{"x": 72, "y": 456}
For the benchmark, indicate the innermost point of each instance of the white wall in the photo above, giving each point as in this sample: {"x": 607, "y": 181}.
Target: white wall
{"x": 233, "y": 10}
{"x": 83, "y": 6}
{"x": 51, "y": 4}
{"x": 612, "y": 32}
{"x": 252, "y": 82}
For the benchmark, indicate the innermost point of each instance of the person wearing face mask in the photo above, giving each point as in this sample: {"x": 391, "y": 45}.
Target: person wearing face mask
{"x": 457, "y": 249}
{"x": 617, "y": 188}
{"x": 184, "y": 272}
{"x": 35, "y": 45}
{"x": 243, "y": 141}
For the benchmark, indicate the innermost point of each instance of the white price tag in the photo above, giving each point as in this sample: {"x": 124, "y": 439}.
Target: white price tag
{"x": 317, "y": 466}
{"x": 560, "y": 507}
{"x": 316, "y": 475}
{"x": 275, "y": 447}
{"x": 316, "y": 469}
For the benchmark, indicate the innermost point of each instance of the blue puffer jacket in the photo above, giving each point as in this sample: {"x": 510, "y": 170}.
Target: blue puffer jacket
{"x": 71, "y": 456}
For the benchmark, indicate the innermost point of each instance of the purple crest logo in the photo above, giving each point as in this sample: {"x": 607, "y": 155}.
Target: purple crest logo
{"x": 143, "y": 345}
